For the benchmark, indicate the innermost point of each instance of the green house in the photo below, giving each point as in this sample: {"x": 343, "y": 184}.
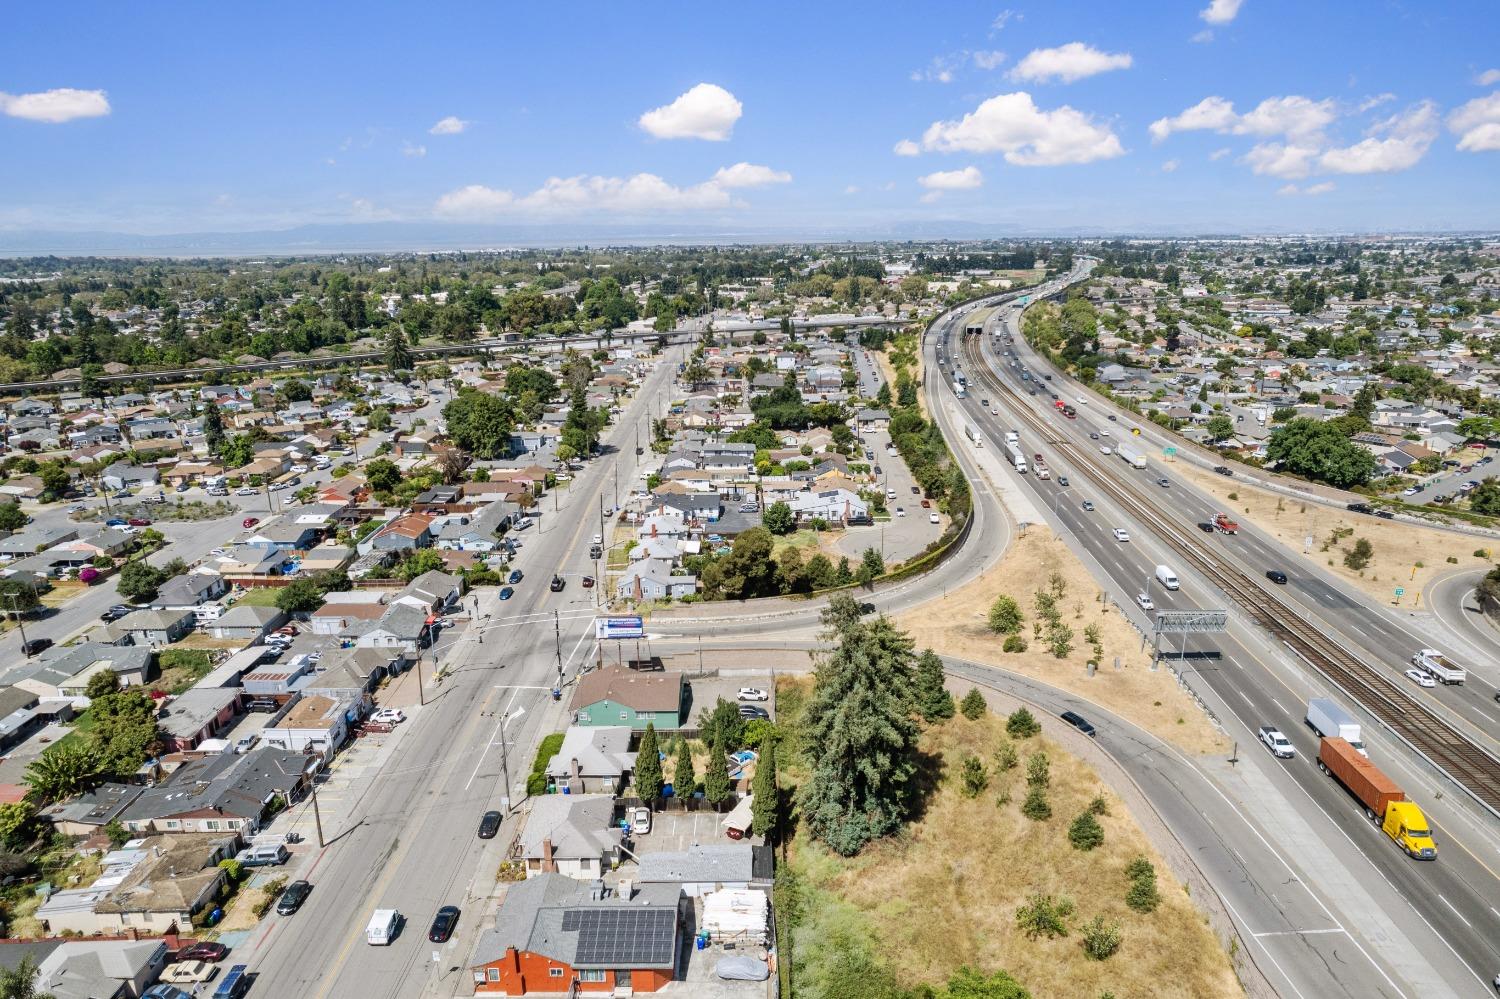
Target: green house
{"x": 618, "y": 695}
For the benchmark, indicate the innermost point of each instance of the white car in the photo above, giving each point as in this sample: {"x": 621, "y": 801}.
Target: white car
{"x": 1412, "y": 491}
{"x": 1121, "y": 534}
{"x": 1420, "y": 678}
{"x": 391, "y": 716}
{"x": 994, "y": 411}
{"x": 1102, "y": 450}
{"x": 598, "y": 539}
{"x": 218, "y": 551}
{"x": 1104, "y": 433}
{"x": 299, "y": 469}
{"x": 1277, "y": 743}
{"x": 900, "y": 512}
{"x": 246, "y": 491}
{"x": 1145, "y": 601}
{"x": 932, "y": 518}
{"x": 753, "y": 694}
{"x": 189, "y": 972}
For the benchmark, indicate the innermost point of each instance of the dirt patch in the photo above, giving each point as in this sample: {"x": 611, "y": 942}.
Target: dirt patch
{"x": 1404, "y": 555}
{"x": 946, "y": 893}
{"x": 888, "y": 370}
{"x": 957, "y": 625}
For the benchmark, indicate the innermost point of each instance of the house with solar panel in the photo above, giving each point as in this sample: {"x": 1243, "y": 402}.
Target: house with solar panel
{"x": 553, "y": 934}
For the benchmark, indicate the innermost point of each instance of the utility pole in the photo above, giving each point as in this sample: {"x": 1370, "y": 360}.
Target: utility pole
{"x": 504, "y": 767}
{"x": 557, "y": 638}
{"x": 317, "y": 814}
{"x": 19, "y": 623}
{"x": 421, "y": 693}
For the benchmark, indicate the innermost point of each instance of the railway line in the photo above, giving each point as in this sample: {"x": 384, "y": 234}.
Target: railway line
{"x": 1468, "y": 765}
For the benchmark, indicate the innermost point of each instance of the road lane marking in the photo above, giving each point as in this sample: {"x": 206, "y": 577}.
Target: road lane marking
{"x": 500, "y": 731}
{"x": 1455, "y": 911}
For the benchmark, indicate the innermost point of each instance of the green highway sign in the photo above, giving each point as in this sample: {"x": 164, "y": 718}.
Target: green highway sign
{"x": 1169, "y": 451}
{"x": 1400, "y": 591}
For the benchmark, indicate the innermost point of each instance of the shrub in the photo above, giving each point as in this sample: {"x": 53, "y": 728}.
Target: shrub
{"x": 1005, "y": 616}
{"x": 1022, "y": 724}
{"x": 1044, "y": 915}
{"x": 1139, "y": 868}
{"x": 1035, "y": 806}
{"x": 1085, "y": 833}
{"x": 973, "y": 706}
{"x": 1359, "y": 556}
{"x": 1038, "y": 770}
{"x": 1142, "y": 895}
{"x": 234, "y": 871}
{"x": 1013, "y": 643}
{"x": 1099, "y": 806}
{"x": 1100, "y": 939}
{"x": 1005, "y": 755}
{"x": 975, "y": 777}
{"x": 536, "y": 781}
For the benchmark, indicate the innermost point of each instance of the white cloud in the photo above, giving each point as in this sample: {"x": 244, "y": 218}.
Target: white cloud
{"x": 1287, "y": 160}
{"x": 852, "y": 189}
{"x": 707, "y": 111}
{"x": 1488, "y": 78}
{"x": 1170, "y": 166}
{"x": 407, "y": 149}
{"x": 1204, "y": 36}
{"x": 906, "y": 147}
{"x": 953, "y": 180}
{"x": 1220, "y": 153}
{"x": 749, "y": 175}
{"x": 989, "y": 60}
{"x": 640, "y": 194}
{"x": 1477, "y": 124}
{"x": 1067, "y": 63}
{"x": 1221, "y": 11}
{"x": 1374, "y": 101}
{"x": 1294, "y": 117}
{"x": 1310, "y": 190}
{"x": 1211, "y": 112}
{"x": 1028, "y": 136}
{"x": 450, "y": 125}
{"x": 1397, "y": 143}
{"x": 1003, "y": 18}
{"x": 55, "y": 106}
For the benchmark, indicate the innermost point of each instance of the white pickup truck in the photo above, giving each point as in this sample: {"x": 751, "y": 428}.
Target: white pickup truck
{"x": 1440, "y": 666}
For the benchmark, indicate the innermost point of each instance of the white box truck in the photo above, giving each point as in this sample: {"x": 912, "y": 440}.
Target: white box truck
{"x": 1166, "y": 577}
{"x": 1440, "y": 666}
{"x": 382, "y": 928}
{"x": 1333, "y": 722}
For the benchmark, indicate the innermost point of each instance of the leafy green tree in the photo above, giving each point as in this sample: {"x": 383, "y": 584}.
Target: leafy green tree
{"x": 480, "y": 423}
{"x": 55, "y": 477}
{"x": 1085, "y": 832}
{"x": 299, "y": 596}
{"x": 18, "y": 827}
{"x": 1021, "y": 724}
{"x": 684, "y": 780}
{"x": 17, "y": 597}
{"x": 395, "y": 352}
{"x": 973, "y": 705}
{"x": 871, "y": 566}
{"x": 383, "y": 475}
{"x": 213, "y": 427}
{"x": 1319, "y": 451}
{"x": 124, "y": 730}
{"x": 138, "y": 581}
{"x": 748, "y": 570}
{"x": 420, "y": 561}
{"x": 767, "y": 795}
{"x": 968, "y": 983}
{"x": 931, "y": 697}
{"x": 20, "y": 982}
{"x": 716, "y": 785}
{"x": 779, "y": 518}
{"x": 1005, "y": 616}
{"x": 63, "y": 771}
{"x": 1486, "y": 497}
{"x": 12, "y": 517}
{"x": 101, "y": 684}
{"x": 860, "y": 734}
{"x": 1220, "y": 427}
{"x": 648, "y": 775}
{"x": 724, "y": 725}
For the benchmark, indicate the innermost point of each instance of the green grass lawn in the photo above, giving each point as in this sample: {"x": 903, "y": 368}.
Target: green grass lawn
{"x": 800, "y": 539}
{"x": 264, "y": 596}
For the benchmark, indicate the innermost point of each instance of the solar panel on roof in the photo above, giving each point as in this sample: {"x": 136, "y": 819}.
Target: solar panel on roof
{"x": 622, "y": 937}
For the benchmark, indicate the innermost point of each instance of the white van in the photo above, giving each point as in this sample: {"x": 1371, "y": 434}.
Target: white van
{"x": 383, "y": 926}
{"x": 1166, "y": 577}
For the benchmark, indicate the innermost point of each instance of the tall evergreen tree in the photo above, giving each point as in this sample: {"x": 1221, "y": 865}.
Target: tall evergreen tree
{"x": 933, "y": 702}
{"x": 213, "y": 428}
{"x": 763, "y": 787}
{"x": 397, "y": 352}
{"x": 648, "y": 779}
{"x": 861, "y": 735}
{"x": 716, "y": 786}
{"x": 683, "y": 778}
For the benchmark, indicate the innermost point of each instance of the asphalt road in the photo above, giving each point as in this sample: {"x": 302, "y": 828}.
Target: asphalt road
{"x": 409, "y": 843}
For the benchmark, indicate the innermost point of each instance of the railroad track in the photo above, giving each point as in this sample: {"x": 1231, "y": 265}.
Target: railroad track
{"x": 1465, "y": 763}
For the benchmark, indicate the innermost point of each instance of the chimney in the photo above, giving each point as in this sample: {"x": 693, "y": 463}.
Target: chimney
{"x": 574, "y": 770}
{"x": 548, "y": 864}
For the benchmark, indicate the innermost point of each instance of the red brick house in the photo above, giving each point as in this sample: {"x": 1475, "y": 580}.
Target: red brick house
{"x": 552, "y": 935}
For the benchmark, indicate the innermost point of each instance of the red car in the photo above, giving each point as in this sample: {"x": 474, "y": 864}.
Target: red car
{"x": 926, "y": 504}
{"x": 138, "y": 522}
{"x": 206, "y": 951}
{"x": 249, "y": 522}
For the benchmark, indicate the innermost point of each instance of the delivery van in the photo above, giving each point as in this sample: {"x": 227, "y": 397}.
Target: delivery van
{"x": 1166, "y": 577}
{"x": 384, "y": 925}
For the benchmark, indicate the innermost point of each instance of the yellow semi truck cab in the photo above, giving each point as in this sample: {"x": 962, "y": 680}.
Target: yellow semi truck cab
{"x": 1405, "y": 823}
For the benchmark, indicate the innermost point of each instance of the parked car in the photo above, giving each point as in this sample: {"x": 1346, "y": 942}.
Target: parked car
{"x": 753, "y": 694}
{"x": 1278, "y": 744}
{"x": 506, "y": 593}
{"x": 587, "y": 581}
{"x": 249, "y": 522}
{"x": 932, "y": 518}
{"x": 246, "y": 491}
{"x": 1079, "y": 722}
{"x": 926, "y": 504}
{"x": 291, "y": 900}
{"x": 750, "y": 712}
{"x": 114, "y": 613}
{"x": 390, "y": 716}
{"x": 206, "y": 951}
{"x": 115, "y": 522}
{"x": 189, "y": 972}
{"x": 489, "y": 825}
{"x": 165, "y": 991}
{"x": 33, "y": 646}
{"x": 443, "y": 923}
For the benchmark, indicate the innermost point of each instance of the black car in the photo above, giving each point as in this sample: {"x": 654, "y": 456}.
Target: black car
{"x": 443, "y": 923}
{"x": 867, "y": 608}
{"x": 750, "y": 712}
{"x": 1205, "y": 527}
{"x": 35, "y": 645}
{"x": 291, "y": 900}
{"x": 557, "y": 584}
{"x": 1360, "y": 508}
{"x": 1223, "y": 470}
{"x": 114, "y": 613}
{"x": 1385, "y": 514}
{"x": 1276, "y": 576}
{"x": 489, "y": 825}
{"x": 1079, "y": 722}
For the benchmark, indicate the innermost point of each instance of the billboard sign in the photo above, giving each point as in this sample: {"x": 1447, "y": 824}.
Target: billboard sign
{"x": 610, "y": 628}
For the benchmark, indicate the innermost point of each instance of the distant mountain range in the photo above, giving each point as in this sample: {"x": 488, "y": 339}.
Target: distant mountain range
{"x": 397, "y": 237}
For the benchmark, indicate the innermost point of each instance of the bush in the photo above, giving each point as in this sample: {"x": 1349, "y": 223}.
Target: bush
{"x": 1142, "y": 895}
{"x": 975, "y": 777}
{"x": 1013, "y": 643}
{"x": 1038, "y": 770}
{"x": 1044, "y": 915}
{"x": 973, "y": 706}
{"x": 1100, "y": 939}
{"x": 1005, "y": 755}
{"x": 536, "y": 781}
{"x": 1359, "y": 556}
{"x": 1139, "y": 868}
{"x": 1085, "y": 833}
{"x": 1005, "y": 616}
{"x": 1022, "y": 725}
{"x": 1035, "y": 807}
{"x": 234, "y": 871}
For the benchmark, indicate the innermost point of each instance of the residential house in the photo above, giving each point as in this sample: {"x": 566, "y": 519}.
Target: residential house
{"x": 86, "y": 814}
{"x": 152, "y": 628}
{"x": 157, "y": 885}
{"x": 286, "y": 535}
{"x": 196, "y": 714}
{"x": 121, "y": 475}
{"x": 317, "y": 723}
{"x": 191, "y": 590}
{"x": 701, "y": 868}
{"x": 248, "y": 623}
{"x": 554, "y": 935}
{"x": 402, "y": 626}
{"x": 594, "y": 760}
{"x": 343, "y": 608}
{"x": 571, "y": 834}
{"x": 434, "y": 591}
{"x": 652, "y": 579}
{"x": 101, "y": 969}
{"x": 225, "y": 792}
{"x": 618, "y": 695}
{"x": 65, "y": 671}
{"x": 475, "y": 531}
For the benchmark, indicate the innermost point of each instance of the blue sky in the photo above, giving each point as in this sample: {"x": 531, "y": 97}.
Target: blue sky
{"x": 1205, "y": 114}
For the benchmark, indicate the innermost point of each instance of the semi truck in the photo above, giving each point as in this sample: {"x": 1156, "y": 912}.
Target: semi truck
{"x": 958, "y": 389}
{"x": 974, "y": 435}
{"x": 1016, "y": 458}
{"x": 1332, "y": 722}
{"x": 1132, "y": 458}
{"x": 1383, "y": 800}
{"x": 1440, "y": 666}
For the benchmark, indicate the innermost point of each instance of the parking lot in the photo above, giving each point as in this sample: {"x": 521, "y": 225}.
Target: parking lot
{"x": 707, "y": 691}
{"x": 906, "y": 534}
